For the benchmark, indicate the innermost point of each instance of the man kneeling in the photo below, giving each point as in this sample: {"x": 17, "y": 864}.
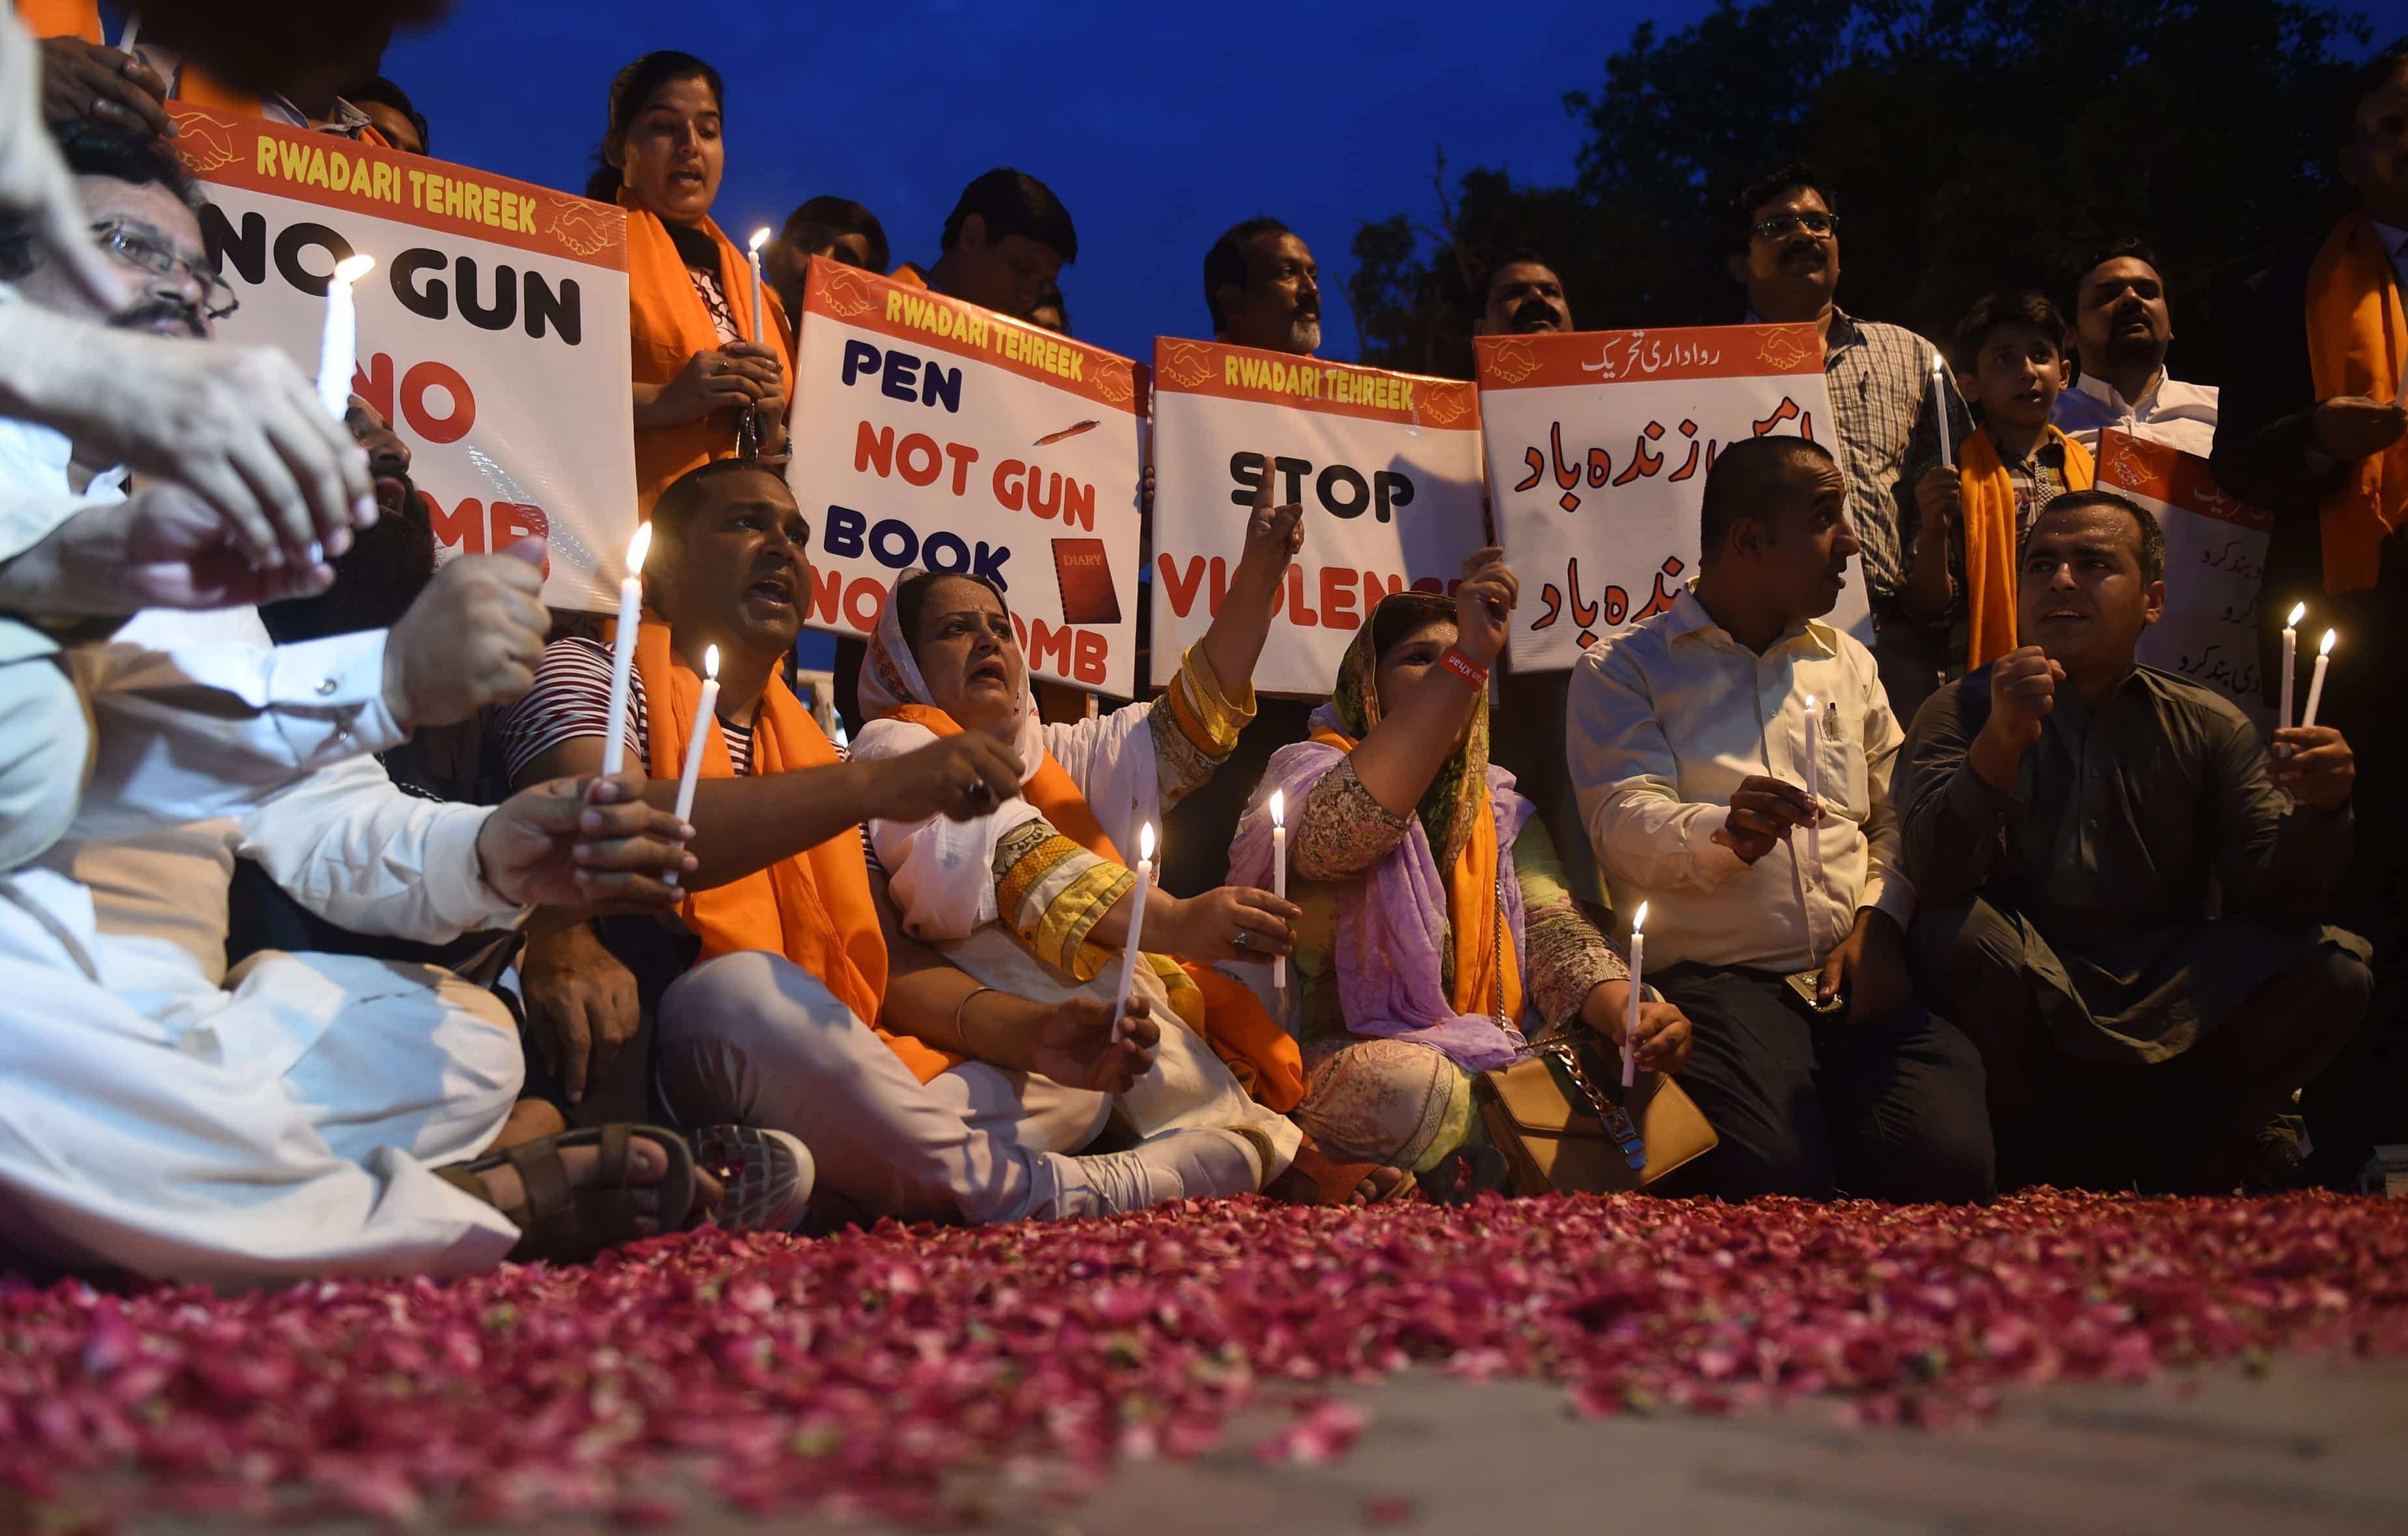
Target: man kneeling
{"x": 2067, "y": 815}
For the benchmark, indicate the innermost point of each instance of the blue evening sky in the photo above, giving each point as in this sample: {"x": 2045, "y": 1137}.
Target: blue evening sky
{"x": 1159, "y": 125}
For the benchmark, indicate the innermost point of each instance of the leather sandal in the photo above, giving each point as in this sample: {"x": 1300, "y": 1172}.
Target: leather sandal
{"x": 560, "y": 1224}
{"x": 1334, "y": 1183}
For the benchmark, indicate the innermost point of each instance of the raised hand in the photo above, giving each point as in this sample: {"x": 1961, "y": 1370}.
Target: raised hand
{"x": 1483, "y": 606}
{"x": 1762, "y": 811}
{"x": 959, "y": 777}
{"x": 81, "y": 80}
{"x": 1274, "y": 537}
{"x": 473, "y": 637}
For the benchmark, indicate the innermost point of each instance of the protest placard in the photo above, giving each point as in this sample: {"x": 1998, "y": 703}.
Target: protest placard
{"x": 2215, "y": 555}
{"x": 930, "y": 431}
{"x": 493, "y": 330}
{"x": 1598, "y": 444}
{"x": 1386, "y": 466}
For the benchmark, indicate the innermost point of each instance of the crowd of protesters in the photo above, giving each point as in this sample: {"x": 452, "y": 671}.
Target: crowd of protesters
{"x": 330, "y": 945}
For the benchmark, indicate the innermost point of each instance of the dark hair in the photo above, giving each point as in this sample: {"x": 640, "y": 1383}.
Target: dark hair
{"x": 1225, "y": 263}
{"x": 688, "y": 492}
{"x": 2364, "y": 81}
{"x": 1012, "y": 202}
{"x": 1521, "y": 257}
{"x": 911, "y": 600}
{"x": 139, "y": 157}
{"x": 2128, "y": 248}
{"x": 2019, "y": 309}
{"x": 1764, "y": 189}
{"x": 376, "y": 88}
{"x": 1745, "y": 478}
{"x": 1401, "y": 615}
{"x": 629, "y": 90}
{"x": 375, "y": 579}
{"x": 823, "y": 221}
{"x": 2153, "y": 538}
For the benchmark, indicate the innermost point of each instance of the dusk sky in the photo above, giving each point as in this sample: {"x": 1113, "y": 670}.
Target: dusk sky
{"x": 1159, "y": 126}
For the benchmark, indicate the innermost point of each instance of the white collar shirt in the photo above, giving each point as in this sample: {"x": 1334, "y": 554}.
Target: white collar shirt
{"x": 2169, "y": 411}
{"x": 1667, "y": 718}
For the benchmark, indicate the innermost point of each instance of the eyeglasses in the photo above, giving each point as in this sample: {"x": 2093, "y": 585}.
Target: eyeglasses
{"x": 1817, "y": 224}
{"x": 137, "y": 249}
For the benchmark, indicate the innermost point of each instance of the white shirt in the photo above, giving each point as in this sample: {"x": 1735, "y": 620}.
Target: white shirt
{"x": 2169, "y": 411}
{"x": 1666, "y": 719}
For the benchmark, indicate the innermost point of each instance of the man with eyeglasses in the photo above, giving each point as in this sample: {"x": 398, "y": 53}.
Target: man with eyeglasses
{"x": 1785, "y": 252}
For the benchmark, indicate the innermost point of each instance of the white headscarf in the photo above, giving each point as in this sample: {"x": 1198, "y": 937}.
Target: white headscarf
{"x": 890, "y": 676}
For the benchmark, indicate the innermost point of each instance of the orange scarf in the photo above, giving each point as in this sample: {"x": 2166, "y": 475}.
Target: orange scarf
{"x": 63, "y": 19}
{"x": 2358, "y": 344}
{"x": 1473, "y": 916}
{"x": 1989, "y": 513}
{"x": 815, "y": 908}
{"x": 1262, "y": 1056}
{"x": 669, "y": 323}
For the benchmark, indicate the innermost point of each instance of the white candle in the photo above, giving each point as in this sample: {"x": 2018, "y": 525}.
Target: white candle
{"x": 1813, "y": 751}
{"x": 760, "y": 239}
{"x": 623, "y": 650}
{"x": 2316, "y": 678}
{"x": 1939, "y": 403}
{"x": 339, "y": 342}
{"x": 1279, "y": 874}
{"x": 2290, "y": 662}
{"x": 1630, "y": 1027}
{"x": 1135, "y": 926}
{"x": 704, "y": 720}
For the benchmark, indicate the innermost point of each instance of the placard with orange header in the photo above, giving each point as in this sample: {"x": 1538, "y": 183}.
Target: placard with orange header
{"x": 2215, "y": 559}
{"x": 930, "y": 431}
{"x": 493, "y": 329}
{"x": 1598, "y": 444}
{"x": 1386, "y": 466}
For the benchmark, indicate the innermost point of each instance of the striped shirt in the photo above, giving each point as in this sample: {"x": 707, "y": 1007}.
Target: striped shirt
{"x": 1881, "y": 382}
{"x": 570, "y": 701}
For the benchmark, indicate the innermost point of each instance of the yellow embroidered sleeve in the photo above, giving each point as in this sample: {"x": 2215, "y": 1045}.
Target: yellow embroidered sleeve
{"x": 1062, "y": 933}
{"x": 1207, "y": 716}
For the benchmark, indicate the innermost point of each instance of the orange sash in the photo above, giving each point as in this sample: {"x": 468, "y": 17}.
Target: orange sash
{"x": 1989, "y": 513}
{"x": 1471, "y": 913}
{"x": 1263, "y": 1056}
{"x": 669, "y": 323}
{"x": 814, "y": 909}
{"x": 63, "y": 19}
{"x": 2358, "y": 344}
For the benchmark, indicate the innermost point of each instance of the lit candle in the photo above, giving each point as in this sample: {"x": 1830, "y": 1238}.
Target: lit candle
{"x": 704, "y": 720}
{"x": 623, "y": 650}
{"x": 1279, "y": 874}
{"x": 1630, "y": 1027}
{"x": 1135, "y": 926}
{"x": 1939, "y": 403}
{"x": 340, "y": 342}
{"x": 760, "y": 239}
{"x": 2316, "y": 678}
{"x": 2290, "y": 661}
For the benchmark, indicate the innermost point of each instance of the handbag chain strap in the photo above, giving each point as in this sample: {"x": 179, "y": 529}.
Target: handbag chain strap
{"x": 1615, "y": 1119}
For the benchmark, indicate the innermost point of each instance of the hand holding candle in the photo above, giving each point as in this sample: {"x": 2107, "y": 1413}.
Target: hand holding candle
{"x": 706, "y": 718}
{"x": 760, "y": 239}
{"x": 622, "y": 648}
{"x": 1630, "y": 1025}
{"x": 2316, "y": 678}
{"x": 1279, "y": 875}
{"x": 1136, "y": 926}
{"x": 1940, "y": 405}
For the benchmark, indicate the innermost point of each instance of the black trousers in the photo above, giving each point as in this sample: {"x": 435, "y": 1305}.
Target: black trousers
{"x": 2183, "y": 1126}
{"x": 1889, "y": 1110}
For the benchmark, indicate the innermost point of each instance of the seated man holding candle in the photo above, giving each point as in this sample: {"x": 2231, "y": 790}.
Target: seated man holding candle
{"x": 2068, "y": 814}
{"x": 1435, "y": 914}
{"x": 770, "y": 989}
{"x": 1732, "y": 756}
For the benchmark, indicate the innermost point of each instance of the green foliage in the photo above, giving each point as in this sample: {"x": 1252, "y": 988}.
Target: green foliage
{"x": 1966, "y": 143}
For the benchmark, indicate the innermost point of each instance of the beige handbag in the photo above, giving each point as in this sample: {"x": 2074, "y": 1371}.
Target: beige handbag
{"x": 1602, "y": 1147}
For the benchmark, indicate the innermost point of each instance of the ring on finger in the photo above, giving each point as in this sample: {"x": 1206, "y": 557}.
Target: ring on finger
{"x": 1245, "y": 939}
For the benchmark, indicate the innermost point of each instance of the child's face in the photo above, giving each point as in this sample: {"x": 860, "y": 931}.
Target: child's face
{"x": 2017, "y": 377}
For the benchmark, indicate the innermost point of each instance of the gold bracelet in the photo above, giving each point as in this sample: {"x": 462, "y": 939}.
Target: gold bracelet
{"x": 961, "y": 1018}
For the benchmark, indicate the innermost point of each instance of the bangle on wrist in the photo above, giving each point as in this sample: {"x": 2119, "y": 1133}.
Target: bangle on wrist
{"x": 1474, "y": 675}
{"x": 961, "y": 1018}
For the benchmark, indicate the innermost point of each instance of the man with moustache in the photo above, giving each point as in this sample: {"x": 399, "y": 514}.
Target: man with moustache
{"x": 1521, "y": 295}
{"x": 1785, "y": 252}
{"x": 1004, "y": 245}
{"x": 2068, "y": 813}
{"x": 2121, "y": 328}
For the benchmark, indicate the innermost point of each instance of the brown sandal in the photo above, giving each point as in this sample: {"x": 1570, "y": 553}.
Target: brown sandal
{"x": 1334, "y": 1183}
{"x": 565, "y": 1226}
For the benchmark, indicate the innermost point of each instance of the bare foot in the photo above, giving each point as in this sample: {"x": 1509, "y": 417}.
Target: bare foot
{"x": 647, "y": 1165}
{"x": 531, "y": 1120}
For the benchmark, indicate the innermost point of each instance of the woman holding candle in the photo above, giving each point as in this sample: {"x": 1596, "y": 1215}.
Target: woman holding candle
{"x": 703, "y": 362}
{"x": 1434, "y": 913}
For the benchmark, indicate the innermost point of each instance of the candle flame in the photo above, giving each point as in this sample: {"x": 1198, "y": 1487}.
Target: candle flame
{"x": 710, "y": 663}
{"x": 1639, "y": 921}
{"x": 352, "y": 269}
{"x": 1939, "y": 364}
{"x": 2326, "y": 649}
{"x": 638, "y": 547}
{"x": 760, "y": 239}
{"x": 1145, "y": 842}
{"x": 2299, "y": 611}
{"x": 1279, "y": 808}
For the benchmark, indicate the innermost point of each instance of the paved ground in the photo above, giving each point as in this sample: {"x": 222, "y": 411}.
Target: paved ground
{"x": 2307, "y": 1446}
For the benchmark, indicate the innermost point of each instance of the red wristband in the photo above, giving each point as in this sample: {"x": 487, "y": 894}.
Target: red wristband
{"x": 1471, "y": 672}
